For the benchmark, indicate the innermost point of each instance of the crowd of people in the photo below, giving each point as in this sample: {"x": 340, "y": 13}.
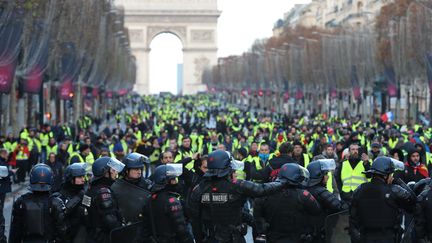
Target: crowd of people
{"x": 194, "y": 168}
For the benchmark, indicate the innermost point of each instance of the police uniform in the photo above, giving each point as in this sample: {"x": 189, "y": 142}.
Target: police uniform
{"x": 67, "y": 212}
{"x": 103, "y": 215}
{"x": 220, "y": 203}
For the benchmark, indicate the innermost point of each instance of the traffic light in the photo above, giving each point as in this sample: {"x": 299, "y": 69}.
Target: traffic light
{"x": 48, "y": 116}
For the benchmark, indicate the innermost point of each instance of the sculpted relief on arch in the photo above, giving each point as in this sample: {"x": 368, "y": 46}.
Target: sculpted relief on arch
{"x": 180, "y": 31}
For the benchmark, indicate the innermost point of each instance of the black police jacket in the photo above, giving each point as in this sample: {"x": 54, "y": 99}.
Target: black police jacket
{"x": 376, "y": 208}
{"x": 31, "y": 221}
{"x": 103, "y": 215}
{"x": 164, "y": 215}
{"x": 67, "y": 211}
{"x": 218, "y": 203}
{"x": 423, "y": 216}
{"x": 286, "y": 215}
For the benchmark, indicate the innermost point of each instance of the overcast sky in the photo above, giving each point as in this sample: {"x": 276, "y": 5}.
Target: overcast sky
{"x": 241, "y": 22}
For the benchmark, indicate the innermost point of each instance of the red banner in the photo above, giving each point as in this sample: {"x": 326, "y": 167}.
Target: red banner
{"x": 66, "y": 90}
{"x": 33, "y": 83}
{"x": 7, "y": 73}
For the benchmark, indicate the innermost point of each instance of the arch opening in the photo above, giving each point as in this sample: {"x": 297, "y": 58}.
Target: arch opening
{"x": 166, "y": 64}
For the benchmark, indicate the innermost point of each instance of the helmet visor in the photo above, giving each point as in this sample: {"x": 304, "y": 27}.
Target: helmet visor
{"x": 304, "y": 176}
{"x": 327, "y": 164}
{"x": 398, "y": 165}
{"x": 174, "y": 170}
{"x": 115, "y": 164}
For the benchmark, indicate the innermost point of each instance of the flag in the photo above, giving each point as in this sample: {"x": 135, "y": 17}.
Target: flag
{"x": 390, "y": 76}
{"x": 387, "y": 117}
{"x": 355, "y": 83}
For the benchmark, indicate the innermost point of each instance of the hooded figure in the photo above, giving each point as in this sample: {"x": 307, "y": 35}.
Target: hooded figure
{"x": 415, "y": 169}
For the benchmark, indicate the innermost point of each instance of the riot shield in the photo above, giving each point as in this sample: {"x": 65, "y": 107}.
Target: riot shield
{"x": 129, "y": 233}
{"x": 130, "y": 199}
{"x": 337, "y": 226}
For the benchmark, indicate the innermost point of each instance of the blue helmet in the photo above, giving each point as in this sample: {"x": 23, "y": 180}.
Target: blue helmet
{"x": 135, "y": 161}
{"x": 293, "y": 174}
{"x": 74, "y": 170}
{"x": 219, "y": 164}
{"x": 164, "y": 173}
{"x": 103, "y": 164}
{"x": 41, "y": 178}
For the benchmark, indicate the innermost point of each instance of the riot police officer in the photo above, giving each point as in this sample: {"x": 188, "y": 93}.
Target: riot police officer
{"x": 375, "y": 212}
{"x": 423, "y": 212}
{"x": 164, "y": 210}
{"x": 65, "y": 205}
{"x": 31, "y": 221}
{"x": 318, "y": 177}
{"x": 101, "y": 211}
{"x": 285, "y": 216}
{"x": 219, "y": 199}
{"x": 132, "y": 190}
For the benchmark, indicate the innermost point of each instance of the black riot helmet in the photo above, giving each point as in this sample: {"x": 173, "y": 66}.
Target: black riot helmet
{"x": 135, "y": 161}
{"x": 318, "y": 169}
{"x": 103, "y": 164}
{"x": 74, "y": 170}
{"x": 219, "y": 164}
{"x": 41, "y": 178}
{"x": 385, "y": 166}
{"x": 293, "y": 174}
{"x": 163, "y": 174}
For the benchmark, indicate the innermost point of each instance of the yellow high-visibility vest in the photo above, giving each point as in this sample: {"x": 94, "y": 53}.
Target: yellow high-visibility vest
{"x": 352, "y": 178}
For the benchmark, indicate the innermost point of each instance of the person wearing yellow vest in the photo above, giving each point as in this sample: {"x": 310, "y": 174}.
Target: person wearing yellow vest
{"x": 259, "y": 163}
{"x": 22, "y": 156}
{"x": 300, "y": 155}
{"x": 241, "y": 155}
{"x": 51, "y": 147}
{"x": 319, "y": 177}
{"x": 185, "y": 151}
{"x": 350, "y": 174}
{"x": 44, "y": 138}
{"x": 76, "y": 157}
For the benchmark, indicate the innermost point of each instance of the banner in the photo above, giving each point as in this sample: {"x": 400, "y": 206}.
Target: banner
{"x": 33, "y": 81}
{"x": 38, "y": 59}
{"x": 11, "y": 29}
{"x": 7, "y": 73}
{"x": 66, "y": 90}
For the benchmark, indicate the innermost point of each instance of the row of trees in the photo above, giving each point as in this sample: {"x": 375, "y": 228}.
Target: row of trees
{"x": 73, "y": 48}
{"x": 332, "y": 63}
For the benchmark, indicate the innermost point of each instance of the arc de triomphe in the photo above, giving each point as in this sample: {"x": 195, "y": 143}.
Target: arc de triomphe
{"x": 194, "y": 22}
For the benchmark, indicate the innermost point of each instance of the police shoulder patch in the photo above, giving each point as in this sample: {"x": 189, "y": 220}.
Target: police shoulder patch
{"x": 86, "y": 201}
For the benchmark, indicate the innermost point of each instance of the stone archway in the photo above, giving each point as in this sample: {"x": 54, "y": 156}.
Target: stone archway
{"x": 194, "y": 22}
